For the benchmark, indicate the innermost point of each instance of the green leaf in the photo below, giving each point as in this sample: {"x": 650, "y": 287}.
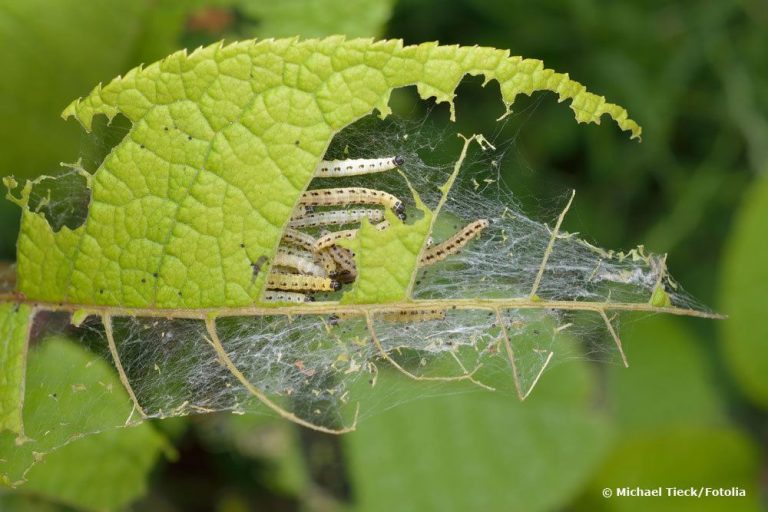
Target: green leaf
{"x": 74, "y": 46}
{"x": 227, "y": 119}
{"x": 744, "y": 296}
{"x": 14, "y": 502}
{"x": 690, "y": 457}
{"x": 481, "y": 450}
{"x": 105, "y": 471}
{"x": 15, "y": 322}
{"x": 71, "y": 392}
{"x": 668, "y": 403}
{"x": 669, "y": 383}
{"x": 382, "y": 280}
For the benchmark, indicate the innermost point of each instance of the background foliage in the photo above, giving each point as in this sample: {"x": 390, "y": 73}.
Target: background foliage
{"x": 691, "y": 408}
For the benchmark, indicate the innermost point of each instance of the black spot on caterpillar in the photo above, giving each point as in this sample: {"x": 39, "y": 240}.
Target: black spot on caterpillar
{"x": 300, "y": 283}
{"x": 352, "y": 195}
{"x": 331, "y": 238}
{"x": 414, "y": 315}
{"x": 335, "y": 218}
{"x": 356, "y": 167}
{"x": 298, "y": 239}
{"x": 279, "y": 296}
{"x": 454, "y": 244}
{"x": 345, "y": 259}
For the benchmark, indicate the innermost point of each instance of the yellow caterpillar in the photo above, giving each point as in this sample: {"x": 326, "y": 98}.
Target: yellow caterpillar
{"x": 301, "y": 283}
{"x": 298, "y": 239}
{"x": 327, "y": 262}
{"x": 330, "y": 239}
{"x": 400, "y": 316}
{"x": 414, "y": 315}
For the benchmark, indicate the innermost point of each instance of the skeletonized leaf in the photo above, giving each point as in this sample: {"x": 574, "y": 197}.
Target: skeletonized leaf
{"x": 171, "y": 250}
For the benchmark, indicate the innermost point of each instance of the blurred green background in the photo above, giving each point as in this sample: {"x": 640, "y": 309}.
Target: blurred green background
{"x": 691, "y": 409}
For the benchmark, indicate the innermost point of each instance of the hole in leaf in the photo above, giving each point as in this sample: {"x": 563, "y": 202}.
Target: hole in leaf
{"x": 63, "y": 200}
{"x": 104, "y": 136}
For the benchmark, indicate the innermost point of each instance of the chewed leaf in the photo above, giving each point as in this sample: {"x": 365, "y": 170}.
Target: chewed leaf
{"x": 223, "y": 142}
{"x": 216, "y": 266}
{"x": 386, "y": 260}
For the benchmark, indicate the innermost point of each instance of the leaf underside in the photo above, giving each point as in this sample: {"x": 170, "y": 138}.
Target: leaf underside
{"x": 159, "y": 277}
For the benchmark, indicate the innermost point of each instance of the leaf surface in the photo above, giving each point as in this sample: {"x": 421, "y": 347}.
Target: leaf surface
{"x": 744, "y": 297}
{"x": 14, "y": 331}
{"x": 72, "y": 391}
{"x": 670, "y": 382}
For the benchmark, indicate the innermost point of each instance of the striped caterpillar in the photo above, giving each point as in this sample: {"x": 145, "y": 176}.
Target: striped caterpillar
{"x": 301, "y": 283}
{"x": 298, "y": 239}
{"x": 300, "y": 260}
{"x": 305, "y": 264}
{"x": 331, "y": 238}
{"x": 345, "y": 260}
{"x": 352, "y": 195}
{"x": 279, "y": 296}
{"x": 334, "y": 218}
{"x": 399, "y": 316}
{"x": 413, "y": 315}
{"x": 454, "y": 244}
{"x": 356, "y": 167}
